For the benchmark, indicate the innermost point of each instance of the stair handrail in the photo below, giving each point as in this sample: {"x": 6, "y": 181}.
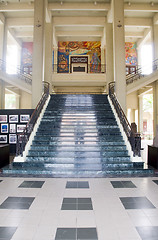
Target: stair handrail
{"x": 22, "y": 138}
{"x": 134, "y": 138}
{"x": 21, "y": 74}
{"x": 138, "y": 73}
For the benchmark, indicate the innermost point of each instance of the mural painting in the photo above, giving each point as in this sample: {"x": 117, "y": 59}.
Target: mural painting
{"x": 131, "y": 53}
{"x": 26, "y": 62}
{"x": 66, "y": 49}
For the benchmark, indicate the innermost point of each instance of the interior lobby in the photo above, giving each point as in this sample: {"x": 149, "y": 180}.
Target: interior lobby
{"x": 79, "y": 48}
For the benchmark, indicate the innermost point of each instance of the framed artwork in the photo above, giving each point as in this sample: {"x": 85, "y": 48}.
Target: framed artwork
{"x": 3, "y": 118}
{"x": 3, "y": 138}
{"x": 4, "y": 128}
{"x": 12, "y": 138}
{"x": 12, "y": 128}
{"x": 13, "y": 118}
{"x": 24, "y": 118}
{"x": 20, "y": 128}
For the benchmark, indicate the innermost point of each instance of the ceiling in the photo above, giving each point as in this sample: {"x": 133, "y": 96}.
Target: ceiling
{"x": 141, "y": 10}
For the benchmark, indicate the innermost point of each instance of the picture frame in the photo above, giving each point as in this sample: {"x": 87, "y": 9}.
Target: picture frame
{"x": 4, "y": 128}
{"x": 20, "y": 128}
{"x": 12, "y": 128}
{"x": 13, "y": 118}
{"x": 3, "y": 138}
{"x": 24, "y": 118}
{"x": 12, "y": 138}
{"x": 3, "y": 119}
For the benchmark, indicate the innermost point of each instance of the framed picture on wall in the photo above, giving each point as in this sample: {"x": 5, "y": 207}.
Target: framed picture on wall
{"x": 3, "y": 118}
{"x": 12, "y": 138}
{"x": 24, "y": 118}
{"x": 12, "y": 128}
{"x": 4, "y": 128}
{"x": 13, "y": 118}
{"x": 3, "y": 138}
{"x": 20, "y": 128}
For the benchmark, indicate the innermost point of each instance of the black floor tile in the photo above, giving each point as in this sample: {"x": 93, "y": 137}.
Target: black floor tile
{"x": 87, "y": 233}
{"x": 123, "y": 184}
{"x": 17, "y": 203}
{"x": 70, "y": 200}
{"x": 6, "y": 233}
{"x": 69, "y": 206}
{"x": 84, "y": 200}
{"x": 77, "y": 204}
{"x": 66, "y": 234}
{"x": 83, "y": 206}
{"x": 155, "y": 181}
{"x": 76, "y": 184}
{"x": 76, "y": 234}
{"x": 32, "y": 184}
{"x": 71, "y": 184}
{"x": 148, "y": 232}
{"x": 136, "y": 203}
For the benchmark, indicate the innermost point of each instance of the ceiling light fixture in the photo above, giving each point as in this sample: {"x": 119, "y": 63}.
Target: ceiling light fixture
{"x": 152, "y": 4}
{"x": 95, "y": 3}
{"x": 61, "y": 2}
{"x": 129, "y": 3}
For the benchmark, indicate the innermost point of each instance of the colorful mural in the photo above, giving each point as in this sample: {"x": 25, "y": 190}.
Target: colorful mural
{"x": 26, "y": 58}
{"x": 131, "y": 53}
{"x": 66, "y": 49}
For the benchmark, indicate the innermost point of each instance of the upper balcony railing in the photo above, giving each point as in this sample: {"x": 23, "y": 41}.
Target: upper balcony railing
{"x": 14, "y": 71}
{"x": 141, "y": 72}
{"x": 79, "y": 68}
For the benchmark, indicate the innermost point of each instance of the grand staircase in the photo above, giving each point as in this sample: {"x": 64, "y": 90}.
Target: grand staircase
{"x": 78, "y": 136}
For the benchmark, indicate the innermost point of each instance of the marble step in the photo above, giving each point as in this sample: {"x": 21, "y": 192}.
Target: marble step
{"x": 105, "y": 138}
{"x": 78, "y": 166}
{"x": 74, "y": 143}
{"x": 74, "y": 130}
{"x": 78, "y": 147}
{"x": 37, "y": 160}
{"x": 78, "y": 154}
{"x": 75, "y": 173}
{"x": 78, "y": 135}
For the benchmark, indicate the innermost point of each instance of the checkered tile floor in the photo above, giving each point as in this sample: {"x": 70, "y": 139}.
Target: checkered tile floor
{"x": 85, "y": 209}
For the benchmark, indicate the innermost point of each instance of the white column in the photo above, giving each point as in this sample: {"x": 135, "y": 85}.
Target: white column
{"x": 155, "y": 105}
{"x": 48, "y": 54}
{"x": 109, "y": 55}
{"x": 140, "y": 120}
{"x": 155, "y": 41}
{"x": 119, "y": 51}
{"x": 1, "y": 39}
{"x": 38, "y": 41}
{"x": 2, "y": 95}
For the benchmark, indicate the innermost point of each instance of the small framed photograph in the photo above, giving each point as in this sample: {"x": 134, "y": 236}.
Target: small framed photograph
{"x": 12, "y": 128}
{"x": 20, "y": 128}
{"x": 24, "y": 118}
{"x": 4, "y": 128}
{"x": 12, "y": 138}
{"x": 3, "y": 138}
{"x": 3, "y": 118}
{"x": 13, "y": 118}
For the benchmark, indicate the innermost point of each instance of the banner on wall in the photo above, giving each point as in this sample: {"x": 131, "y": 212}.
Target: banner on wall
{"x": 26, "y": 60}
{"x": 131, "y": 53}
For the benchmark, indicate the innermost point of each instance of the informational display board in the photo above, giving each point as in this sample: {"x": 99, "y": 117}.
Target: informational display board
{"x": 12, "y": 122}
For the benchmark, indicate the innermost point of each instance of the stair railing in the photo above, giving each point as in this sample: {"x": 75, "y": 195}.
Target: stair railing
{"x": 134, "y": 138}
{"x": 135, "y": 75}
{"x": 23, "y": 137}
{"x": 19, "y": 72}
